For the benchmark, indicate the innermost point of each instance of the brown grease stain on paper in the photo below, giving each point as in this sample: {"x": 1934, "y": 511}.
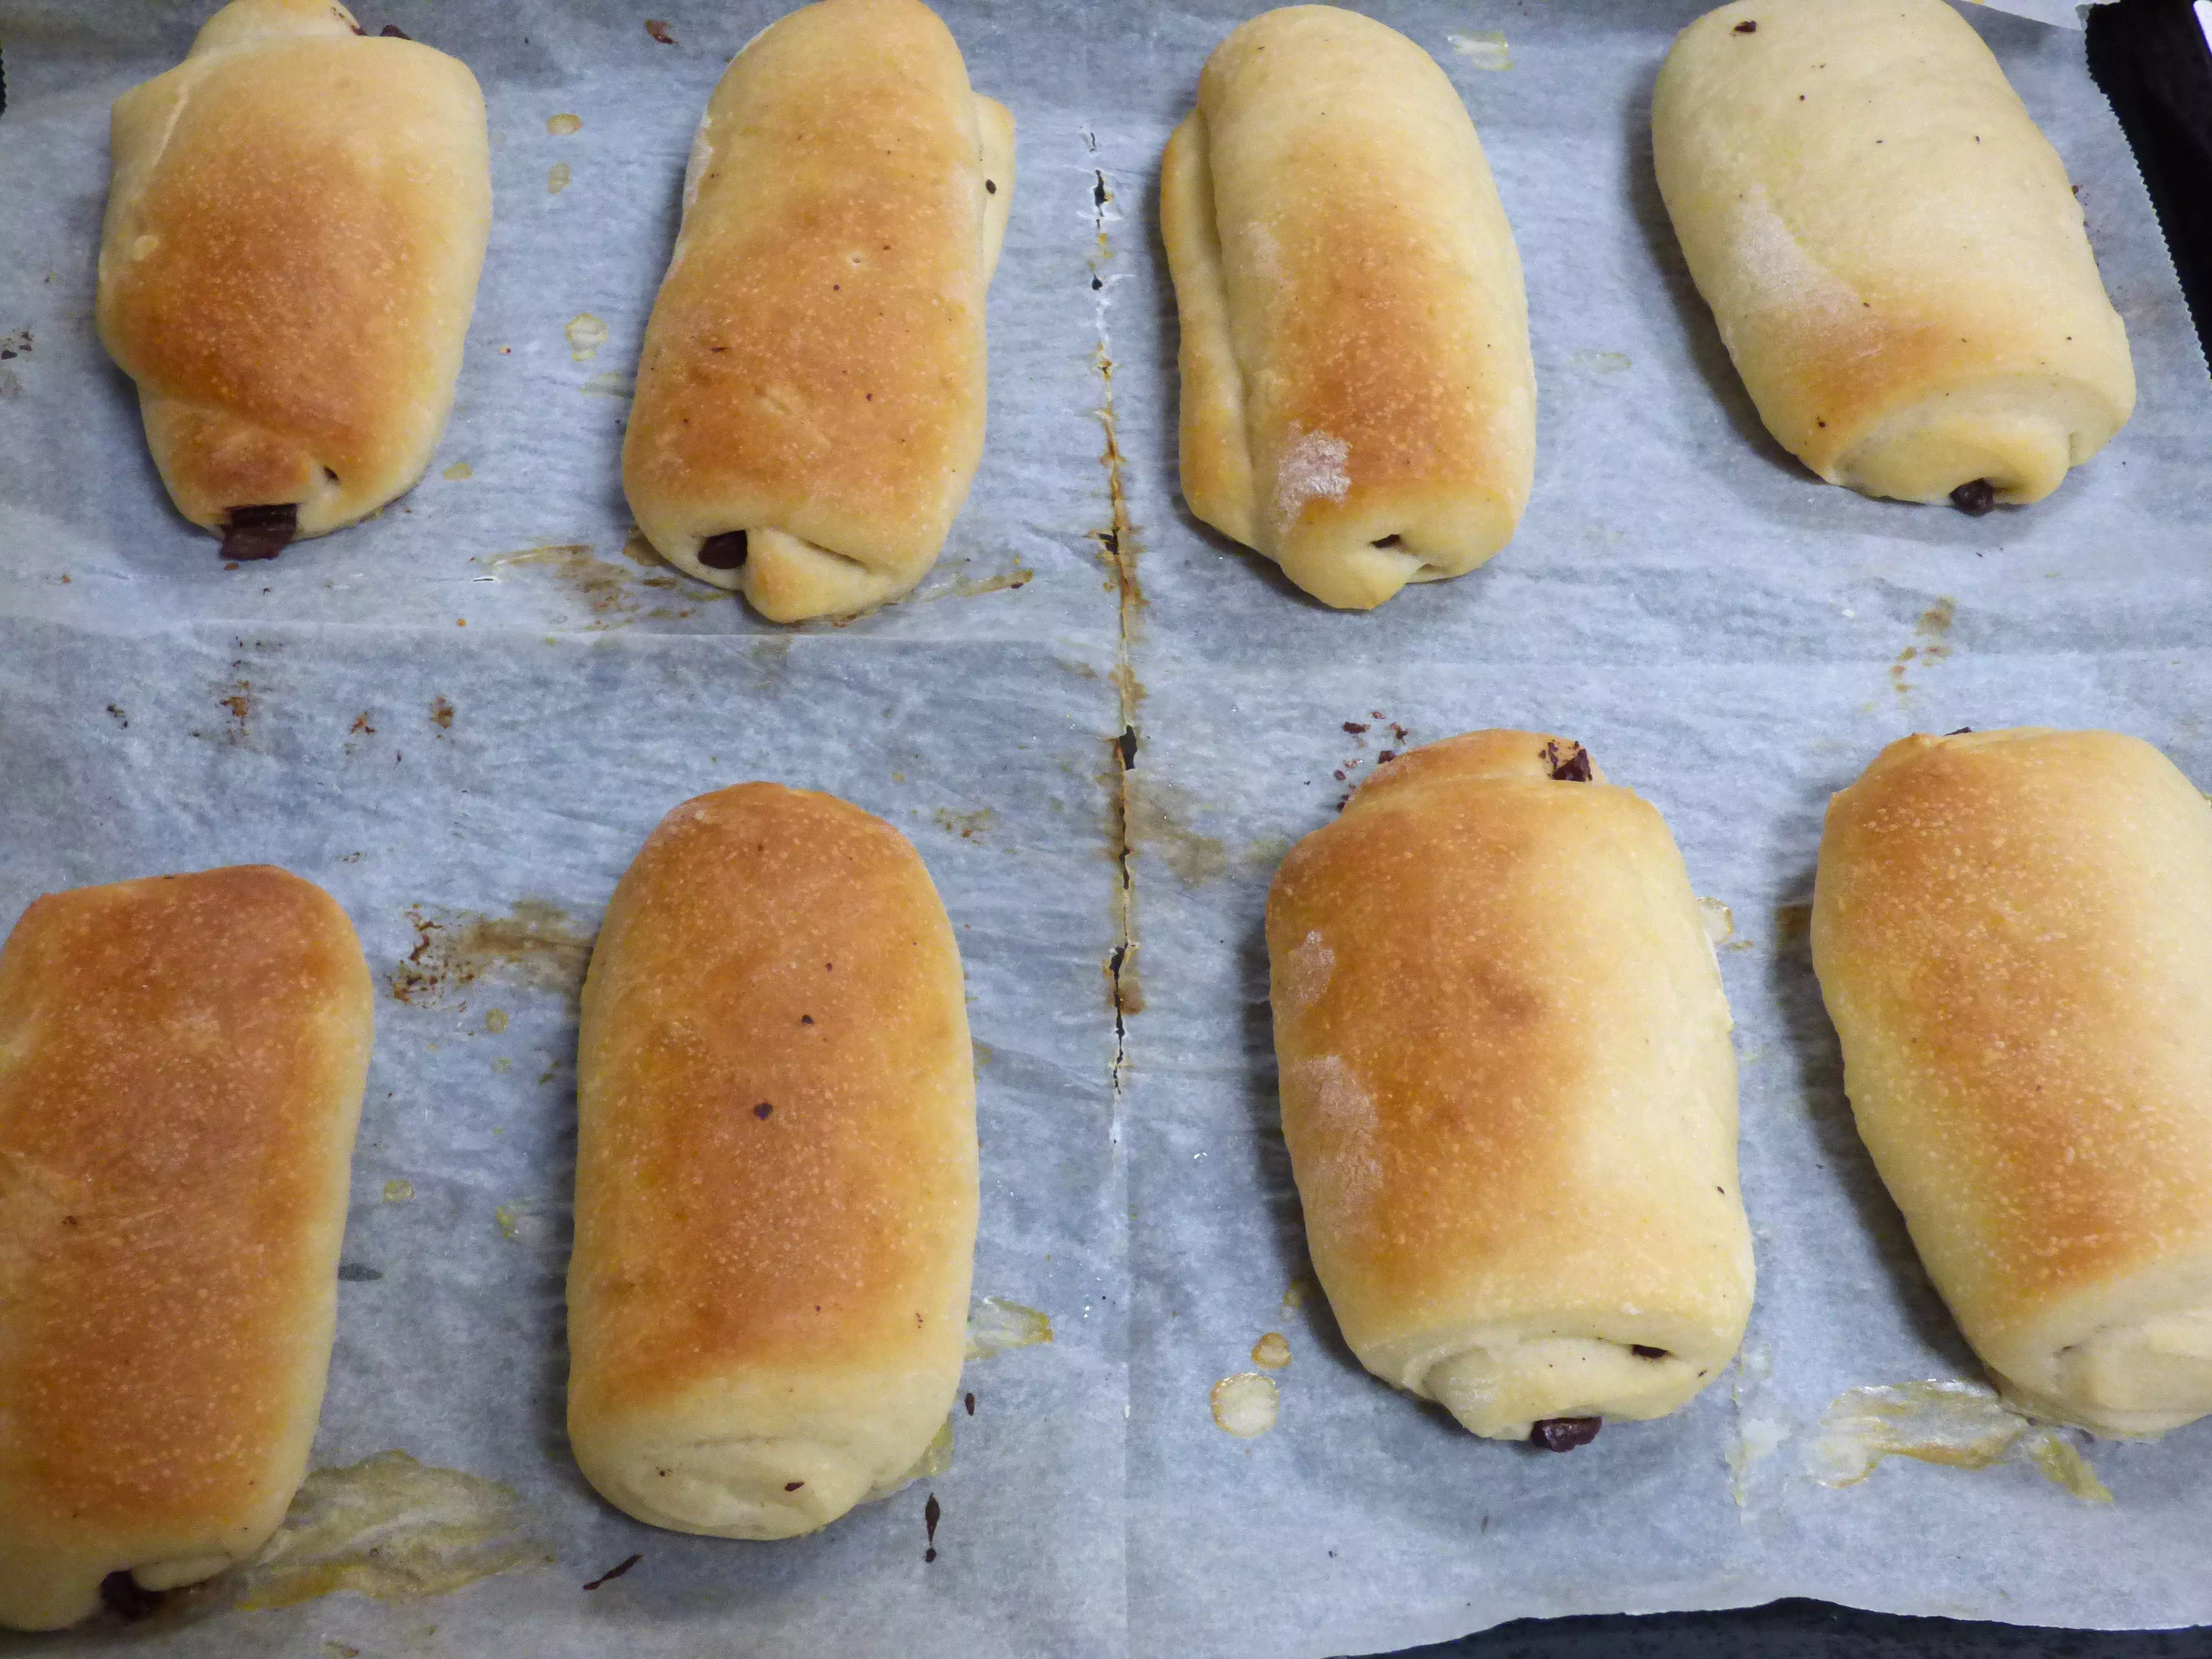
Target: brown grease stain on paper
{"x": 1157, "y": 816}
{"x": 534, "y": 946}
{"x": 1932, "y": 630}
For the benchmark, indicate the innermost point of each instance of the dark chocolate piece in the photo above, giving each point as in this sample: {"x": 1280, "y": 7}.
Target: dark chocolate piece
{"x": 1975, "y": 498}
{"x": 1643, "y": 1352}
{"x": 1960, "y": 732}
{"x": 793, "y": 1485}
{"x": 393, "y": 32}
{"x": 930, "y": 1514}
{"x": 1746, "y": 27}
{"x": 127, "y": 1599}
{"x": 1572, "y": 768}
{"x": 259, "y": 532}
{"x": 1564, "y": 1434}
{"x": 724, "y": 552}
{"x": 763, "y": 1111}
{"x": 1388, "y": 541}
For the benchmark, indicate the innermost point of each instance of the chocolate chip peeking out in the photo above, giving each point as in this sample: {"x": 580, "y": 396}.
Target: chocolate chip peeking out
{"x": 1974, "y": 497}
{"x": 793, "y": 1485}
{"x": 991, "y": 186}
{"x": 393, "y": 32}
{"x": 1389, "y": 541}
{"x": 259, "y": 532}
{"x": 763, "y": 1111}
{"x": 1746, "y": 27}
{"x": 1960, "y": 732}
{"x": 1643, "y": 1352}
{"x": 1564, "y": 1434}
{"x": 127, "y": 1599}
{"x": 1570, "y": 766}
{"x": 724, "y": 552}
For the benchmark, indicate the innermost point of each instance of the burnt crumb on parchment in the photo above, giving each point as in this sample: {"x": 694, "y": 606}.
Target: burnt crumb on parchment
{"x": 970, "y": 1401}
{"x": 1570, "y": 765}
{"x": 441, "y": 714}
{"x": 931, "y": 1514}
{"x": 1564, "y": 1434}
{"x": 358, "y": 1272}
{"x": 617, "y": 1571}
{"x": 115, "y": 712}
{"x": 1355, "y": 727}
{"x": 128, "y": 1600}
{"x": 659, "y": 30}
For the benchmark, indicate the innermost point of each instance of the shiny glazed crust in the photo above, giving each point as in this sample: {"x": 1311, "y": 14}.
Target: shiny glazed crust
{"x": 1508, "y": 1090}
{"x": 1355, "y": 336}
{"x": 296, "y": 224}
{"x": 2013, "y": 935}
{"x": 777, "y": 1169}
{"x": 813, "y": 372}
{"x": 1890, "y": 247}
{"x": 181, "y": 1066}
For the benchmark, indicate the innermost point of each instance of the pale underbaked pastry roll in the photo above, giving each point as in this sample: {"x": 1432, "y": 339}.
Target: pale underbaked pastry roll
{"x": 809, "y": 400}
{"x": 1358, "y": 400}
{"x": 1508, "y": 1092}
{"x": 2013, "y": 935}
{"x": 776, "y": 1182}
{"x": 181, "y": 1066}
{"x": 296, "y": 224}
{"x": 1890, "y": 247}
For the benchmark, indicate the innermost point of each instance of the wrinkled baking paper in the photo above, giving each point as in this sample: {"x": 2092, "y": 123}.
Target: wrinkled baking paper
{"x": 464, "y": 717}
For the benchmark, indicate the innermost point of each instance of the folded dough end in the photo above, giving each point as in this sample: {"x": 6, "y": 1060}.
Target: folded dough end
{"x": 1355, "y": 553}
{"x": 244, "y": 22}
{"x": 2135, "y": 1361}
{"x": 213, "y": 462}
{"x": 1501, "y": 1382}
{"x": 2018, "y": 434}
{"x": 758, "y": 1456}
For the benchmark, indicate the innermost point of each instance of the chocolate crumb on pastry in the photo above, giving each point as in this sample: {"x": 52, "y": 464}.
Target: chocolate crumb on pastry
{"x": 181, "y": 1066}
{"x": 1358, "y": 398}
{"x": 296, "y": 220}
{"x": 810, "y": 400}
{"x": 2012, "y": 930}
{"x": 776, "y": 1171}
{"x": 1891, "y": 249}
{"x": 1508, "y": 1092}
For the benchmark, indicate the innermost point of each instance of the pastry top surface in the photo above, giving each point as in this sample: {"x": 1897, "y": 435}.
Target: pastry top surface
{"x": 778, "y": 1168}
{"x": 2014, "y": 929}
{"x": 1506, "y": 1071}
{"x": 181, "y": 1064}
{"x": 295, "y": 228}
{"x": 815, "y": 362}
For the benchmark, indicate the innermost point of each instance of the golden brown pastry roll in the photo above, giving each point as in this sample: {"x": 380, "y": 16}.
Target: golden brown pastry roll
{"x": 1358, "y": 402}
{"x": 181, "y": 1066}
{"x": 1890, "y": 247}
{"x": 1509, "y": 1091}
{"x": 296, "y": 224}
{"x": 2013, "y": 935}
{"x": 810, "y": 402}
{"x": 776, "y": 1173}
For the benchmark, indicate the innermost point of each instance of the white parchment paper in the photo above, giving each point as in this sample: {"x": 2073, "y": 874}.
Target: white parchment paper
{"x": 463, "y": 718}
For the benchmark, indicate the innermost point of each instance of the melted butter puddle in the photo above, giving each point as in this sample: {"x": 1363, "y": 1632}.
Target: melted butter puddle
{"x": 392, "y": 1529}
{"x": 1244, "y": 1404}
{"x": 997, "y": 1328}
{"x": 1961, "y": 1424}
